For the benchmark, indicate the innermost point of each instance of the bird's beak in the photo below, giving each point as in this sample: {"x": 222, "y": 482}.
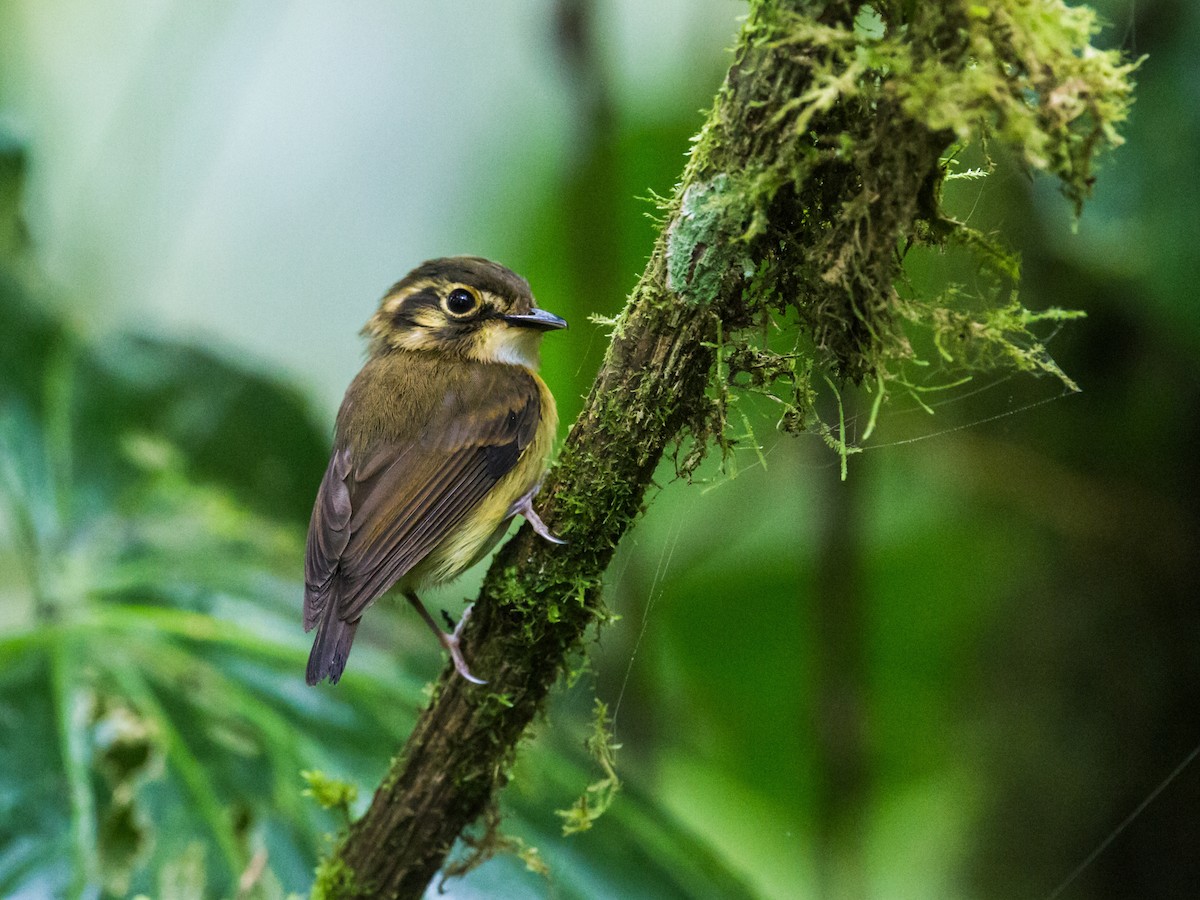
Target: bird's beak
{"x": 537, "y": 319}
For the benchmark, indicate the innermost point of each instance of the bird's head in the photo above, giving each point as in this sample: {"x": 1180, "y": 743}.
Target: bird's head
{"x": 465, "y": 306}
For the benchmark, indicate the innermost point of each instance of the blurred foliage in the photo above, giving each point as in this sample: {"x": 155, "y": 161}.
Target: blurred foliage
{"x": 156, "y": 731}
{"x": 148, "y": 626}
{"x": 952, "y": 675}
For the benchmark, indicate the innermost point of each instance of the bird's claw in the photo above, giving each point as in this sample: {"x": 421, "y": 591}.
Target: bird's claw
{"x": 451, "y": 641}
{"x": 524, "y": 506}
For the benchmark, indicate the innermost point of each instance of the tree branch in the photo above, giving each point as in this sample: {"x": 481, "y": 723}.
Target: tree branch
{"x": 812, "y": 171}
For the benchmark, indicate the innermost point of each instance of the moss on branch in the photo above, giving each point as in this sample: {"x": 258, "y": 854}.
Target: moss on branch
{"x": 820, "y": 165}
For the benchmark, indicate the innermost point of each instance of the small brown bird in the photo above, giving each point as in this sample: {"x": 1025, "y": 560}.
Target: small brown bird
{"x": 441, "y": 439}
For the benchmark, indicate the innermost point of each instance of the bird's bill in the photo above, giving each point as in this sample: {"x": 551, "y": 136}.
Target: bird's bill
{"x": 537, "y": 319}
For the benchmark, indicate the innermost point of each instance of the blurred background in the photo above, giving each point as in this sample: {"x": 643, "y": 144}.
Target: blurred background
{"x": 952, "y": 675}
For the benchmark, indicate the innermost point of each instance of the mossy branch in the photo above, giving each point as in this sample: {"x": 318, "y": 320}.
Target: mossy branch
{"x": 818, "y": 168}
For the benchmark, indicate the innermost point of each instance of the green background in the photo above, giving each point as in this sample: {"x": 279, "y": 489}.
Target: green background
{"x": 952, "y": 675}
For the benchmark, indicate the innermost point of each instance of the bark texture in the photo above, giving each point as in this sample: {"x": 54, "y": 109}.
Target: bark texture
{"x": 811, "y": 173}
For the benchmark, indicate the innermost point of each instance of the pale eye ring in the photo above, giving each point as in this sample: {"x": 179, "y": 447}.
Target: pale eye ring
{"x": 460, "y": 302}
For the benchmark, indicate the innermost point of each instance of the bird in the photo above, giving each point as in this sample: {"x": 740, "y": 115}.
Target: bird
{"x": 441, "y": 439}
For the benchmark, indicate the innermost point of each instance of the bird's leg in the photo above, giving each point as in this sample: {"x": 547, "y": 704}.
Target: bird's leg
{"x": 524, "y": 506}
{"x": 448, "y": 639}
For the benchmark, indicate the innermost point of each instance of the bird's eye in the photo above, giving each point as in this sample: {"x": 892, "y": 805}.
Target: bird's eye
{"x": 460, "y": 301}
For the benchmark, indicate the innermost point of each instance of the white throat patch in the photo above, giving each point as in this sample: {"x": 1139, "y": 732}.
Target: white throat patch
{"x": 508, "y": 344}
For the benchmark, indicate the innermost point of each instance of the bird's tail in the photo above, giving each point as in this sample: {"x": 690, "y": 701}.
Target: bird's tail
{"x": 331, "y": 647}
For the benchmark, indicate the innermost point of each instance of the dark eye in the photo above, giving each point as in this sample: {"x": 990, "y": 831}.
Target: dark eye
{"x": 460, "y": 301}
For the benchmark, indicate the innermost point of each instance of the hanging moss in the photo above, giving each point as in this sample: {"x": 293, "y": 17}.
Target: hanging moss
{"x": 802, "y": 216}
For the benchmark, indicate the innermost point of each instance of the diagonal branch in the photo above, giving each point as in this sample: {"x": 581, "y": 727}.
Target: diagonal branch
{"x": 811, "y": 172}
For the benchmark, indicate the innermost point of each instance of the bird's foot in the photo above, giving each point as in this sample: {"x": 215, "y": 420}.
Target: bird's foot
{"x": 524, "y": 506}
{"x": 450, "y": 640}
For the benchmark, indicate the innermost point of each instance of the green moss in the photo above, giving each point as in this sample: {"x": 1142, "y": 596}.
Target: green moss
{"x": 335, "y": 881}
{"x": 794, "y": 226}
{"x": 1029, "y": 76}
{"x": 492, "y": 841}
{"x": 600, "y": 794}
{"x": 330, "y": 793}
{"x": 334, "y": 878}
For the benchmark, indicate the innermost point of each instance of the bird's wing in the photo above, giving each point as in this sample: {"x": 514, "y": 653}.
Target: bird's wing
{"x": 328, "y": 534}
{"x": 377, "y": 517}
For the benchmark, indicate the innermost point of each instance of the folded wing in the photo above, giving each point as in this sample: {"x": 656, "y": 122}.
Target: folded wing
{"x": 378, "y": 516}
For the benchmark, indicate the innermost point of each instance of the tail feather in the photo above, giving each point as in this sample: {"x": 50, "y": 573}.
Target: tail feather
{"x": 331, "y": 646}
